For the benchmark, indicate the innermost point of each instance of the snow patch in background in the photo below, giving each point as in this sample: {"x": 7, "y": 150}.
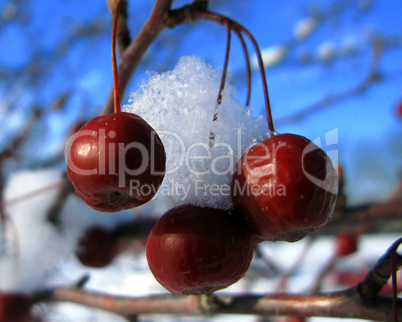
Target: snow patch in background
{"x": 180, "y": 106}
{"x": 34, "y": 250}
{"x": 32, "y": 246}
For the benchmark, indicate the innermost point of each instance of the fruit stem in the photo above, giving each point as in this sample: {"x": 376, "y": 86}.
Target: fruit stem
{"x": 116, "y": 91}
{"x": 208, "y": 15}
{"x": 226, "y": 62}
{"x": 223, "y": 79}
{"x": 263, "y": 78}
{"x": 247, "y": 58}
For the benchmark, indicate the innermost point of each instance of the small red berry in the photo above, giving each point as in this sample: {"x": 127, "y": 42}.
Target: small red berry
{"x": 96, "y": 248}
{"x": 345, "y": 244}
{"x": 15, "y": 307}
{"x": 286, "y": 187}
{"x": 194, "y": 250}
{"x": 398, "y": 109}
{"x": 116, "y": 162}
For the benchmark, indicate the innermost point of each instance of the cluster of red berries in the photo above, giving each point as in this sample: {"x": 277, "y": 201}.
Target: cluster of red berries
{"x": 198, "y": 250}
{"x": 194, "y": 249}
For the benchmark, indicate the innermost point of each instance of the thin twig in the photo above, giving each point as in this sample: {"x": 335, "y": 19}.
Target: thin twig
{"x": 362, "y": 86}
{"x": 373, "y": 216}
{"x": 271, "y": 265}
{"x": 54, "y": 212}
{"x": 281, "y": 286}
{"x": 328, "y": 267}
{"x": 248, "y": 65}
{"x": 380, "y": 274}
{"x": 394, "y": 258}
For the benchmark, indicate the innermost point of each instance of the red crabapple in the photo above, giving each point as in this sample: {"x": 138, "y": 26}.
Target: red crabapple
{"x": 97, "y": 247}
{"x": 285, "y": 187}
{"x": 15, "y": 308}
{"x": 195, "y": 250}
{"x": 116, "y": 162}
{"x": 345, "y": 243}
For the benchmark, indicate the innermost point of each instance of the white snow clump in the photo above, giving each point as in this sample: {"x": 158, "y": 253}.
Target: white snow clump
{"x": 180, "y": 105}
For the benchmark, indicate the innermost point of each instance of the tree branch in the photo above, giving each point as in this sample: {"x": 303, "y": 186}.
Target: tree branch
{"x": 372, "y": 77}
{"x": 372, "y": 216}
{"x": 344, "y": 304}
{"x": 132, "y": 56}
{"x": 54, "y": 212}
{"x": 360, "y": 302}
{"x": 380, "y": 274}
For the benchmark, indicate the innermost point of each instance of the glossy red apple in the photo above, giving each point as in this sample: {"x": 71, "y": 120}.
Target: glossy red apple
{"x": 97, "y": 247}
{"x": 116, "y": 162}
{"x": 15, "y": 307}
{"x": 197, "y": 250}
{"x": 286, "y": 187}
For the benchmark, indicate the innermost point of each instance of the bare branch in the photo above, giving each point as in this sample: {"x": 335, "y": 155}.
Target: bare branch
{"x": 360, "y": 302}
{"x": 345, "y": 304}
{"x": 132, "y": 56}
{"x": 372, "y": 77}
{"x": 372, "y": 216}
{"x": 53, "y": 214}
{"x": 283, "y": 279}
{"x": 273, "y": 268}
{"x": 380, "y": 274}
